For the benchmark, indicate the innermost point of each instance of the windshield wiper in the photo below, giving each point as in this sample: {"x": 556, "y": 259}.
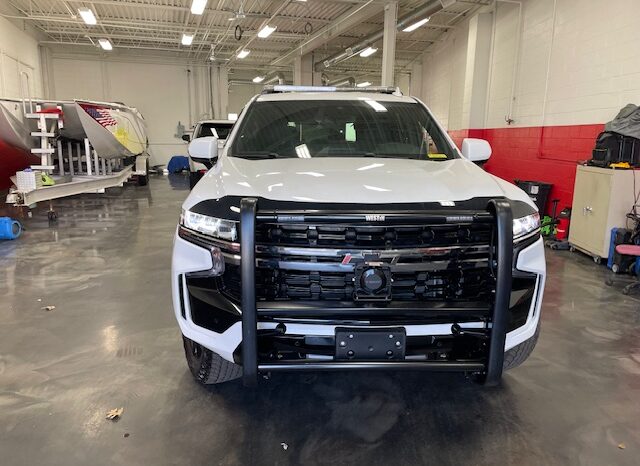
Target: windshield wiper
{"x": 259, "y": 155}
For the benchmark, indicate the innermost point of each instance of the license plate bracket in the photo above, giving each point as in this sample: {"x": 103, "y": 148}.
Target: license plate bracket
{"x": 376, "y": 344}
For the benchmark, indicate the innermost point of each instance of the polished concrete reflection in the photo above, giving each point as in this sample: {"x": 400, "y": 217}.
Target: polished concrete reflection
{"x": 111, "y": 341}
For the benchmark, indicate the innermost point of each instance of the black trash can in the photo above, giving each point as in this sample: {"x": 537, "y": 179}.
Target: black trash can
{"x": 538, "y": 191}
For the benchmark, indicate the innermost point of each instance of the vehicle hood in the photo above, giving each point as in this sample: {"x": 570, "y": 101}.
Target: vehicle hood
{"x": 351, "y": 180}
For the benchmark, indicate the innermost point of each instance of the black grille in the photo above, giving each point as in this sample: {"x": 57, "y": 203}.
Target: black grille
{"x": 427, "y": 262}
{"x": 366, "y": 236}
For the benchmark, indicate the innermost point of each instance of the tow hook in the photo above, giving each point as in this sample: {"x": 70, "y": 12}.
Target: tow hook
{"x": 458, "y": 331}
{"x": 280, "y": 329}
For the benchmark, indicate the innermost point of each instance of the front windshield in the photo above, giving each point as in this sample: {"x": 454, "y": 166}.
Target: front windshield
{"x": 340, "y": 128}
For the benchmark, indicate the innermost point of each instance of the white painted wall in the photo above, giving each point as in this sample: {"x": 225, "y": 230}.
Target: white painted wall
{"x": 159, "y": 91}
{"x": 588, "y": 49}
{"x": 443, "y": 77}
{"x": 18, "y": 54}
{"x": 166, "y": 94}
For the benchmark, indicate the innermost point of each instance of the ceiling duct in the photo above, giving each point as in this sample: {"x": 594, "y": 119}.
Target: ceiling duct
{"x": 429, "y": 9}
{"x": 276, "y": 77}
{"x": 349, "y": 81}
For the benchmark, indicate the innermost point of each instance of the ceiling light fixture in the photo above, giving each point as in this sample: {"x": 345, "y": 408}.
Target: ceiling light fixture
{"x": 198, "y": 6}
{"x": 105, "y": 44}
{"x": 244, "y": 53}
{"x": 187, "y": 39}
{"x": 258, "y": 79}
{"x": 266, "y": 31}
{"x": 87, "y": 16}
{"x": 417, "y": 24}
{"x": 363, "y": 84}
{"x": 368, "y": 52}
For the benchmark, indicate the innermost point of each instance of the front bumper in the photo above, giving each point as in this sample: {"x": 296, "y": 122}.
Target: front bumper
{"x": 225, "y": 337}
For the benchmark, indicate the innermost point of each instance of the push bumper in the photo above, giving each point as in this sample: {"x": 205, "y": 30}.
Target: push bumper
{"x": 489, "y": 371}
{"x": 189, "y": 258}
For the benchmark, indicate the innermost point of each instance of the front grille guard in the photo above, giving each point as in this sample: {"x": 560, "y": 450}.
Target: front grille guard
{"x": 489, "y": 373}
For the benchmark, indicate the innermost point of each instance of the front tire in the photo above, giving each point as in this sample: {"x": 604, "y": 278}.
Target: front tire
{"x": 208, "y": 367}
{"x": 519, "y": 353}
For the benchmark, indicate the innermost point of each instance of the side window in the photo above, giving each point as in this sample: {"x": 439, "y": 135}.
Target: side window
{"x": 349, "y": 132}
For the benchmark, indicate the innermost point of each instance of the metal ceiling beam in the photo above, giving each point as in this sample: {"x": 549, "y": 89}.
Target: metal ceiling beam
{"x": 280, "y": 35}
{"x": 277, "y": 11}
{"x": 430, "y": 8}
{"x": 341, "y": 24}
{"x": 130, "y": 4}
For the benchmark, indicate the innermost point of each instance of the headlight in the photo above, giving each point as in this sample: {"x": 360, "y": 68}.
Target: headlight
{"x": 524, "y": 225}
{"x": 211, "y": 226}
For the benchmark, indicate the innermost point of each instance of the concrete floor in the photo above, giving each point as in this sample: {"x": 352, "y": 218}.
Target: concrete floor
{"x": 112, "y": 342}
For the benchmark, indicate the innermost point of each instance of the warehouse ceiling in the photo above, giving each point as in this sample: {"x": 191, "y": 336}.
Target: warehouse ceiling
{"x": 154, "y": 28}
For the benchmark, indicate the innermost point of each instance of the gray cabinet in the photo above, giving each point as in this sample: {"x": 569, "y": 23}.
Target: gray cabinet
{"x": 601, "y": 200}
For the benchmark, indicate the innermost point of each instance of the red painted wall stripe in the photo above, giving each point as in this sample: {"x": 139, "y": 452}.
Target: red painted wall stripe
{"x": 541, "y": 153}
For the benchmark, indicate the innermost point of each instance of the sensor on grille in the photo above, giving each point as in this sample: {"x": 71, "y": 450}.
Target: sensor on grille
{"x": 372, "y": 283}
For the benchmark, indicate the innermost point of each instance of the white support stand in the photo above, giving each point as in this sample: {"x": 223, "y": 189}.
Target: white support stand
{"x": 70, "y": 156}
{"x": 60, "y": 159}
{"x": 87, "y": 154}
{"x": 79, "y": 155}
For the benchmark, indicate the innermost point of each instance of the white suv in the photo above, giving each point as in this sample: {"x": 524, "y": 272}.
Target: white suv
{"x": 343, "y": 230}
{"x": 219, "y": 129}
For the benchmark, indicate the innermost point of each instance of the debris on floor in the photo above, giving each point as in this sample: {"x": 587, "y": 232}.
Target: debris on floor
{"x": 114, "y": 414}
{"x": 48, "y": 308}
{"x": 622, "y": 446}
{"x": 284, "y": 446}
{"x": 126, "y": 434}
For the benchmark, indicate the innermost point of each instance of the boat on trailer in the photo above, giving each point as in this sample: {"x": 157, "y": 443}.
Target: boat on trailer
{"x": 114, "y": 130}
{"x": 85, "y": 146}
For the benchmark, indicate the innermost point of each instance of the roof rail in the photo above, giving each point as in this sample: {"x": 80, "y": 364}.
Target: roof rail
{"x": 278, "y": 88}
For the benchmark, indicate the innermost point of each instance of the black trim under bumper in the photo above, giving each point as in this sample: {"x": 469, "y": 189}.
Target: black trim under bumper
{"x": 435, "y": 366}
{"x": 490, "y": 371}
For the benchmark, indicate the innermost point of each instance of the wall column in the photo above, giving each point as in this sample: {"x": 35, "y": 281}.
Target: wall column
{"x": 389, "y": 43}
{"x": 220, "y": 92}
{"x": 223, "y": 92}
{"x": 476, "y": 82}
{"x": 303, "y": 72}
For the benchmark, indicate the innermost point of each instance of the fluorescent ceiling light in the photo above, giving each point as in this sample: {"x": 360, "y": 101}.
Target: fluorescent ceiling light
{"x": 244, "y": 53}
{"x": 198, "y": 6}
{"x": 88, "y": 16}
{"x": 417, "y": 24}
{"x": 105, "y": 44}
{"x": 266, "y": 31}
{"x": 187, "y": 39}
{"x": 363, "y": 84}
{"x": 258, "y": 79}
{"x": 368, "y": 52}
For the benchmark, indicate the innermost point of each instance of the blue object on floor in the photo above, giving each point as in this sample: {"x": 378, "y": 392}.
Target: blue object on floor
{"x": 178, "y": 163}
{"x": 9, "y": 228}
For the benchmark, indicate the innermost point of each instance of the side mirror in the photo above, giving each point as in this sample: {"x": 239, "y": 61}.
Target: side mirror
{"x": 186, "y": 137}
{"x": 476, "y": 150}
{"x": 204, "y": 150}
